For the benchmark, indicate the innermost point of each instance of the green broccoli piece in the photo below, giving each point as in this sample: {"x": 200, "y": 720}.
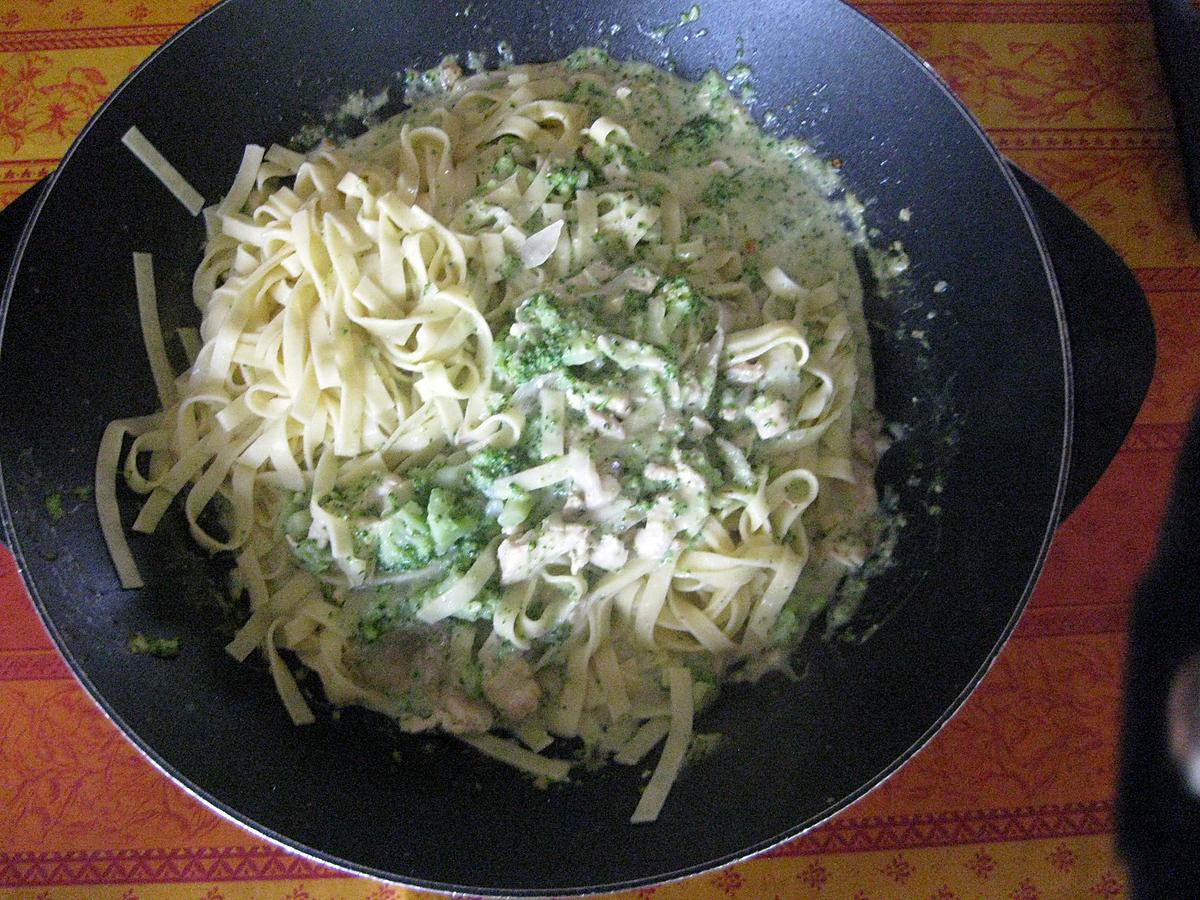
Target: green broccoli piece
{"x": 652, "y": 193}
{"x": 163, "y": 648}
{"x": 542, "y": 309}
{"x": 450, "y": 517}
{"x": 720, "y": 190}
{"x": 509, "y": 267}
{"x": 54, "y": 507}
{"x": 407, "y": 543}
{"x": 585, "y": 58}
{"x": 540, "y": 349}
{"x": 552, "y": 332}
{"x": 522, "y": 364}
{"x": 422, "y": 480}
{"x": 797, "y": 610}
{"x": 681, "y": 301}
{"x": 695, "y": 135}
{"x": 504, "y": 166}
{"x": 388, "y": 610}
{"x": 491, "y": 463}
{"x": 296, "y": 523}
{"x": 517, "y": 507}
{"x": 481, "y": 606}
{"x": 346, "y": 499}
{"x": 678, "y": 293}
{"x": 563, "y": 181}
{"x": 466, "y": 550}
{"x": 313, "y": 557}
{"x": 702, "y": 745}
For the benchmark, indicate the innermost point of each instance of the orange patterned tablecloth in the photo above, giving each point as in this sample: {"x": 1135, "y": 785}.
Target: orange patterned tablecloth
{"x": 1014, "y": 798}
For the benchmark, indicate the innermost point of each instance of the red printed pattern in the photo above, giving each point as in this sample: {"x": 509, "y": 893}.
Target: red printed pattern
{"x": 29, "y": 104}
{"x": 265, "y": 862}
{"x": 147, "y": 866}
{"x": 34, "y": 665}
{"x": 952, "y": 829}
{"x": 87, "y": 38}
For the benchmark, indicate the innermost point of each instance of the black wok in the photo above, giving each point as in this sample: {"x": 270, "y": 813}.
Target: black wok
{"x": 986, "y": 411}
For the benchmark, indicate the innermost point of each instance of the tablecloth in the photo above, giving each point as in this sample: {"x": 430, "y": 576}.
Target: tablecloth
{"x": 1014, "y": 798}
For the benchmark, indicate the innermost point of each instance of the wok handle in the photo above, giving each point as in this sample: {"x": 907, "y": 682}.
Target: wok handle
{"x": 1111, "y": 334}
{"x": 1108, "y": 320}
{"x": 1177, "y": 36}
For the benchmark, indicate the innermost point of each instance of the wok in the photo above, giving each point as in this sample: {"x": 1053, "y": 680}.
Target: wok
{"x": 985, "y": 411}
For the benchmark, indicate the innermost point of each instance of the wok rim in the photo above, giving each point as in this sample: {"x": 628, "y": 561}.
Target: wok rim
{"x": 229, "y": 813}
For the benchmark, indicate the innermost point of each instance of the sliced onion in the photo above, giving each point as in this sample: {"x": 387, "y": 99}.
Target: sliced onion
{"x": 539, "y": 247}
{"x": 779, "y": 284}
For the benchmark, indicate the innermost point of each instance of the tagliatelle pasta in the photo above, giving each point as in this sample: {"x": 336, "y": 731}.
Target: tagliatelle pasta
{"x": 532, "y": 414}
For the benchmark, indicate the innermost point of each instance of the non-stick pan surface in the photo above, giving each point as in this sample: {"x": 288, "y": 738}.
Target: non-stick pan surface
{"x": 983, "y": 397}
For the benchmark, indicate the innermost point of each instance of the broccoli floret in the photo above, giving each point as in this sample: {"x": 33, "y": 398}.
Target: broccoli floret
{"x": 422, "y": 480}
{"x": 509, "y": 267}
{"x": 542, "y": 309}
{"x": 504, "y": 166}
{"x": 313, "y": 557}
{"x": 585, "y": 58}
{"x": 541, "y": 347}
{"x": 695, "y": 135}
{"x": 555, "y": 336}
{"x": 702, "y": 745}
{"x": 517, "y": 507}
{"x": 653, "y": 193}
{"x": 450, "y": 517}
{"x": 797, "y": 611}
{"x": 467, "y": 549}
{"x": 522, "y": 364}
{"x": 296, "y": 523}
{"x": 491, "y": 463}
{"x": 163, "y": 648}
{"x": 719, "y": 190}
{"x": 388, "y": 610}
{"x": 681, "y": 301}
{"x": 54, "y": 507}
{"x": 563, "y": 181}
{"x": 481, "y": 606}
{"x": 347, "y": 499}
{"x": 407, "y": 543}
{"x": 595, "y": 157}
{"x": 678, "y": 294}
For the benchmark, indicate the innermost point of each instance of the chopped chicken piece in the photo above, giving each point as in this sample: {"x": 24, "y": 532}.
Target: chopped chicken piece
{"x": 609, "y": 553}
{"x": 769, "y": 416}
{"x": 654, "y": 539}
{"x": 745, "y": 373}
{"x": 553, "y": 541}
{"x": 460, "y": 714}
{"x": 510, "y": 686}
